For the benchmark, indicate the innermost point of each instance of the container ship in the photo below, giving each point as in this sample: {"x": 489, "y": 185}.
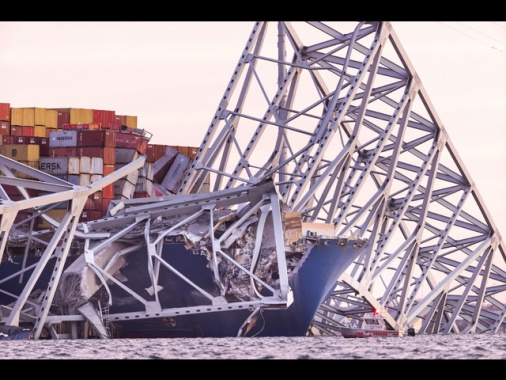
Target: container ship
{"x": 98, "y": 243}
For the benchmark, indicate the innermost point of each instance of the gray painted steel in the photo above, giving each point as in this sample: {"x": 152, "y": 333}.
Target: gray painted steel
{"x": 336, "y": 115}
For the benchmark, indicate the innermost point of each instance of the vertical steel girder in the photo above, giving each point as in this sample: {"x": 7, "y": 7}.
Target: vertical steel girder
{"x": 337, "y": 116}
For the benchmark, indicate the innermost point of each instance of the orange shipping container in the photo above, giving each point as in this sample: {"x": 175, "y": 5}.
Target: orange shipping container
{"x": 5, "y": 111}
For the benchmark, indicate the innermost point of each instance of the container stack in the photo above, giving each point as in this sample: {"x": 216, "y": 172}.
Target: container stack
{"x": 81, "y": 146}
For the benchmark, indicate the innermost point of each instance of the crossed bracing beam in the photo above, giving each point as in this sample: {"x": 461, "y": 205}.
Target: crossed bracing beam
{"x": 336, "y": 114}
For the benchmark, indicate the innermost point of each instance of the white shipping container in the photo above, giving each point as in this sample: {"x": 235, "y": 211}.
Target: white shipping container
{"x": 176, "y": 172}
{"x": 95, "y": 177}
{"x": 85, "y": 164}
{"x": 84, "y": 179}
{"x": 124, "y": 188}
{"x": 97, "y": 165}
{"x": 63, "y": 139}
{"x": 146, "y": 171}
{"x": 74, "y": 165}
{"x": 132, "y": 176}
{"x": 54, "y": 165}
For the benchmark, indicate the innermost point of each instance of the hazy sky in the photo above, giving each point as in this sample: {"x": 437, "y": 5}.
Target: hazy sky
{"x": 171, "y": 75}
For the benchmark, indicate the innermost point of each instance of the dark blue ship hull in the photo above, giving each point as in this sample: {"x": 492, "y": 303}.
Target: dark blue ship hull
{"x": 311, "y": 282}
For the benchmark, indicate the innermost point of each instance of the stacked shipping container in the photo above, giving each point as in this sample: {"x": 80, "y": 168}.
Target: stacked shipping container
{"x": 81, "y": 146}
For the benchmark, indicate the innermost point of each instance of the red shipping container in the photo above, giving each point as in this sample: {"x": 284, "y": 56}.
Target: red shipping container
{"x": 16, "y": 130}
{"x": 62, "y": 152}
{"x": 120, "y": 119}
{"x": 127, "y": 140}
{"x": 84, "y": 217}
{"x": 8, "y": 139}
{"x": 182, "y": 150}
{"x": 44, "y": 146}
{"x": 63, "y": 118}
{"x": 96, "y": 138}
{"x": 108, "y": 169}
{"x": 115, "y": 127}
{"x": 108, "y": 119}
{"x": 27, "y": 131}
{"x": 192, "y": 151}
{"x": 159, "y": 151}
{"x": 5, "y": 111}
{"x": 150, "y": 153}
{"x": 107, "y": 153}
{"x": 95, "y": 214}
{"x": 13, "y": 191}
{"x": 21, "y": 218}
{"x": 32, "y": 140}
{"x": 94, "y": 201}
{"x": 19, "y": 139}
{"x": 69, "y": 126}
{"x": 108, "y": 196}
{"x": 5, "y": 127}
{"x": 107, "y": 191}
{"x": 143, "y": 146}
{"x": 98, "y": 116}
{"x": 141, "y": 194}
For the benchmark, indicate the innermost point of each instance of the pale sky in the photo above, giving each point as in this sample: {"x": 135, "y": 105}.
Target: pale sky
{"x": 172, "y": 75}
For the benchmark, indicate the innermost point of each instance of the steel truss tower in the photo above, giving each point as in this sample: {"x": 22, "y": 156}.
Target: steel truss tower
{"x": 337, "y": 116}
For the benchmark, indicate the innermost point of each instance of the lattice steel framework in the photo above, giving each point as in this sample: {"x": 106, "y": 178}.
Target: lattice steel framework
{"x": 336, "y": 114}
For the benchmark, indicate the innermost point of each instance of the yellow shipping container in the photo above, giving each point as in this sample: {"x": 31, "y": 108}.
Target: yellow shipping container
{"x": 49, "y": 130}
{"x": 51, "y": 119}
{"x": 21, "y": 152}
{"x": 20, "y": 174}
{"x": 33, "y": 116}
{"x": 39, "y": 131}
{"x": 81, "y": 116}
{"x": 131, "y": 121}
{"x": 57, "y": 214}
{"x": 87, "y": 115}
{"x": 16, "y": 116}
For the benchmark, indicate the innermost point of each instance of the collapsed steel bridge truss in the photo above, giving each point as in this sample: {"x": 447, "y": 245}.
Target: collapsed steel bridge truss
{"x": 335, "y": 115}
